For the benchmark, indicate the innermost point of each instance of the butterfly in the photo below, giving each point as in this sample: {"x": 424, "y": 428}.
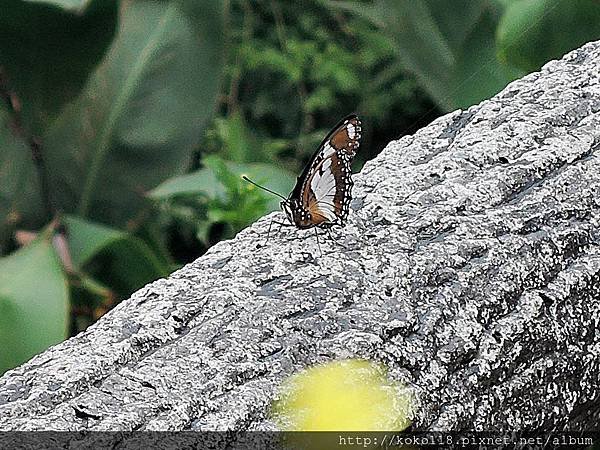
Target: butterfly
{"x": 322, "y": 194}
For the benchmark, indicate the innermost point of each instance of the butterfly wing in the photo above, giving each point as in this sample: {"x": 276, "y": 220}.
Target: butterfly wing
{"x": 325, "y": 187}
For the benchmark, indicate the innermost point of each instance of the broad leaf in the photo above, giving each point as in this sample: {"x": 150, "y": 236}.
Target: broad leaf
{"x": 448, "y": 46}
{"x": 127, "y": 265}
{"x": 478, "y": 74}
{"x": 273, "y": 177}
{"x": 457, "y": 20}
{"x": 48, "y": 53}
{"x": 142, "y": 112}
{"x": 34, "y": 302}
{"x": 109, "y": 265}
{"x": 207, "y": 183}
{"x": 202, "y": 182}
{"x": 154, "y": 236}
{"x": 87, "y": 239}
{"x": 374, "y": 12}
{"x": 241, "y": 144}
{"x": 533, "y": 32}
{"x": 73, "y": 6}
{"x": 137, "y": 262}
{"x": 19, "y": 189}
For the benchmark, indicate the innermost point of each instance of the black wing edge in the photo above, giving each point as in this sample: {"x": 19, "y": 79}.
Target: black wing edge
{"x": 296, "y": 191}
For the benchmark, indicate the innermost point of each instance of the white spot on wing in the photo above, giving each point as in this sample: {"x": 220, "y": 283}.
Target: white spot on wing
{"x": 351, "y": 131}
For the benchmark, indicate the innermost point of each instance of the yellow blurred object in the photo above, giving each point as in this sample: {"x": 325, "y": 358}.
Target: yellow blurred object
{"x": 347, "y": 395}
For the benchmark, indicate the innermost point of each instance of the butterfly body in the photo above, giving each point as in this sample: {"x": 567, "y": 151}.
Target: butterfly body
{"x": 322, "y": 195}
{"x": 296, "y": 213}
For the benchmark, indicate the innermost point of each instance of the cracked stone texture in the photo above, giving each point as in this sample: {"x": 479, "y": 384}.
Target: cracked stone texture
{"x": 472, "y": 271}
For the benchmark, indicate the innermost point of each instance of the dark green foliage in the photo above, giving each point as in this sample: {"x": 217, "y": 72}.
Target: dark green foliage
{"x": 217, "y": 195}
{"x": 532, "y": 32}
{"x": 157, "y": 86}
{"x": 448, "y": 46}
{"x": 125, "y": 125}
{"x": 34, "y": 301}
{"x": 296, "y": 69}
{"x": 48, "y": 53}
{"x": 103, "y": 100}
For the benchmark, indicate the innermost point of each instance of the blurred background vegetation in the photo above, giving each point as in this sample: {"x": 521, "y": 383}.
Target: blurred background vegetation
{"x": 125, "y": 125}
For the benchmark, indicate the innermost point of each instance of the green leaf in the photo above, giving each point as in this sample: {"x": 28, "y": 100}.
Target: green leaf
{"x": 503, "y": 4}
{"x": 202, "y": 182}
{"x": 532, "y": 32}
{"x": 19, "y": 189}
{"x": 203, "y": 231}
{"x": 73, "y": 6}
{"x": 48, "y": 53}
{"x": 142, "y": 112}
{"x": 273, "y": 177}
{"x": 237, "y": 142}
{"x": 374, "y": 12}
{"x": 157, "y": 241}
{"x": 478, "y": 74}
{"x": 227, "y": 200}
{"x": 34, "y": 302}
{"x": 223, "y": 172}
{"x": 448, "y": 46}
{"x": 128, "y": 264}
{"x": 87, "y": 240}
{"x": 235, "y": 136}
{"x": 456, "y": 20}
{"x": 213, "y": 182}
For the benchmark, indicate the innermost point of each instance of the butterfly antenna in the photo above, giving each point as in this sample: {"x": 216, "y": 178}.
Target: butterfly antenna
{"x": 262, "y": 187}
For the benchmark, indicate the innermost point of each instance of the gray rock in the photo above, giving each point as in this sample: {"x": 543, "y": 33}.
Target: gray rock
{"x": 471, "y": 270}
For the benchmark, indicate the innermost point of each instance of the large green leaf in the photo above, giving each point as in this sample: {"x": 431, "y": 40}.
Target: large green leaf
{"x": 48, "y": 53}
{"x": 108, "y": 264}
{"x": 478, "y": 74}
{"x": 19, "y": 193}
{"x": 448, "y": 46}
{"x": 74, "y": 6}
{"x": 533, "y": 32}
{"x": 136, "y": 262}
{"x": 87, "y": 239}
{"x": 456, "y": 20}
{"x": 201, "y": 182}
{"x": 34, "y": 302}
{"x": 142, "y": 112}
{"x": 127, "y": 265}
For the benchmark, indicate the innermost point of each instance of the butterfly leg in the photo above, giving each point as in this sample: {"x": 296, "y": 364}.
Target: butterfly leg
{"x": 328, "y": 230}
{"x": 269, "y": 232}
{"x": 281, "y": 224}
{"x": 318, "y": 244}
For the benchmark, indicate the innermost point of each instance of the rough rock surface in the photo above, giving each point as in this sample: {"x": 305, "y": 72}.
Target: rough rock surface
{"x": 472, "y": 271}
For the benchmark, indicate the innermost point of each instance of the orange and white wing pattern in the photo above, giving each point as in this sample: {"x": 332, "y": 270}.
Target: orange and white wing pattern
{"x": 327, "y": 187}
